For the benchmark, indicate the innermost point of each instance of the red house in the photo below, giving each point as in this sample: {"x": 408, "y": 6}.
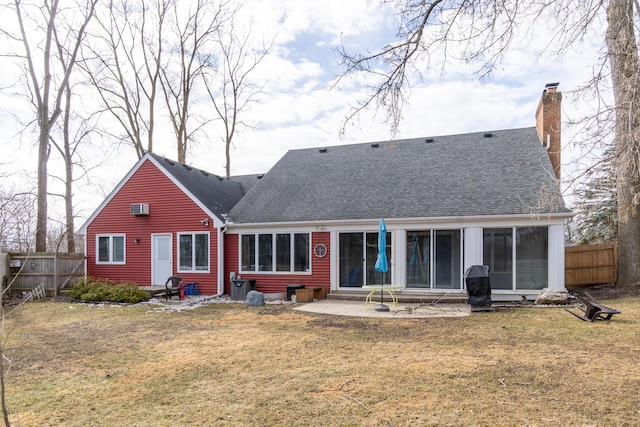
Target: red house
{"x": 163, "y": 218}
{"x": 449, "y": 202}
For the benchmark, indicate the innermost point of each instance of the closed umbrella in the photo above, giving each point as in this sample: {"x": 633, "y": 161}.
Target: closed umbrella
{"x": 382, "y": 265}
{"x": 414, "y": 263}
{"x": 414, "y": 251}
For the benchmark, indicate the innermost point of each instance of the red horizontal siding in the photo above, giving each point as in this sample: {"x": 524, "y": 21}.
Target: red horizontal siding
{"x": 277, "y": 283}
{"x": 170, "y": 211}
{"x": 231, "y": 258}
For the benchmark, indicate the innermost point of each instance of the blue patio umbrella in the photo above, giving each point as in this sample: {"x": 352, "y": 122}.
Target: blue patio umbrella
{"x": 382, "y": 265}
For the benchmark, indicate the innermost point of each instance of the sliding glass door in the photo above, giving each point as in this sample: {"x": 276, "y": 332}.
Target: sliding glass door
{"x": 418, "y": 261}
{"x": 434, "y": 259}
{"x": 497, "y": 249}
{"x": 531, "y": 267}
{"x": 448, "y": 259}
{"x": 358, "y": 254}
{"x": 351, "y": 260}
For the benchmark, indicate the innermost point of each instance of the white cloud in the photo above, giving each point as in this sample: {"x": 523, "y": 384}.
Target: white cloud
{"x": 277, "y": 74}
{"x": 328, "y": 20}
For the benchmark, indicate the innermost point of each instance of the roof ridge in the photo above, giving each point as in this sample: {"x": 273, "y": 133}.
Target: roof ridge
{"x": 185, "y": 166}
{"x": 408, "y": 139}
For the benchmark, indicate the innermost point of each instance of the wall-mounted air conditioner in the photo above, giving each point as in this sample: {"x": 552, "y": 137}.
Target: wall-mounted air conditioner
{"x": 139, "y": 209}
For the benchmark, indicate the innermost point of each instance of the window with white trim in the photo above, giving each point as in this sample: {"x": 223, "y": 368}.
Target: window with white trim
{"x": 518, "y": 257}
{"x": 275, "y": 252}
{"x": 110, "y": 249}
{"x": 193, "y": 252}
{"x": 434, "y": 259}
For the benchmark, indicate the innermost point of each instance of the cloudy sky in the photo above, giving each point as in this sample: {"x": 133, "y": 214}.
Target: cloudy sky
{"x": 300, "y": 108}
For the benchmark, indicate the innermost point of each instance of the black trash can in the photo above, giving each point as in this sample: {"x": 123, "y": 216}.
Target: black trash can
{"x": 291, "y": 290}
{"x": 478, "y": 288}
{"x": 240, "y": 288}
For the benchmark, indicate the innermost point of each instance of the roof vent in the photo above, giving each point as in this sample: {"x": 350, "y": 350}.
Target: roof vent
{"x": 375, "y": 145}
{"x": 488, "y": 135}
{"x": 139, "y": 209}
{"x": 428, "y": 140}
{"x": 260, "y": 176}
{"x": 323, "y": 150}
{"x": 187, "y": 167}
{"x": 205, "y": 173}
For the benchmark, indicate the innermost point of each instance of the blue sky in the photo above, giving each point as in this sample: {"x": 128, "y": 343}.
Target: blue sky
{"x": 299, "y": 109}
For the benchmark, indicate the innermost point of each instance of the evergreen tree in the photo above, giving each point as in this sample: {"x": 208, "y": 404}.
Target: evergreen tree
{"x": 597, "y": 205}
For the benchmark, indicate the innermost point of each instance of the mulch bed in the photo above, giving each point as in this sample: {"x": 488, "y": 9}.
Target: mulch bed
{"x": 608, "y": 291}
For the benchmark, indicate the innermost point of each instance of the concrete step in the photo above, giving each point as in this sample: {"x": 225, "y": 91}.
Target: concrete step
{"x": 403, "y": 297}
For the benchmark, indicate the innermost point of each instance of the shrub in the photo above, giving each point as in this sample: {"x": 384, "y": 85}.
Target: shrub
{"x": 105, "y": 290}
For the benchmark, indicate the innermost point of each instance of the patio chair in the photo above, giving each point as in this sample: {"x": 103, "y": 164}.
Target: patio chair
{"x": 592, "y": 309}
{"x": 174, "y": 288}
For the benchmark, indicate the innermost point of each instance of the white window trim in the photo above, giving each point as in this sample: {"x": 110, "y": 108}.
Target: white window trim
{"x": 273, "y": 253}
{"x": 293, "y": 253}
{"x": 514, "y": 270}
{"x": 111, "y": 261}
{"x": 193, "y": 254}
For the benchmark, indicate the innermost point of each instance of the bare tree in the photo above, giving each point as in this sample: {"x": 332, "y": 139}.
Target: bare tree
{"x": 622, "y": 47}
{"x": 76, "y": 132}
{"x": 181, "y": 50}
{"x": 432, "y": 33}
{"x": 59, "y": 31}
{"x": 17, "y": 221}
{"x": 124, "y": 61}
{"x": 192, "y": 53}
{"x": 4, "y": 361}
{"x": 479, "y": 32}
{"x": 5, "y": 357}
{"x": 230, "y": 90}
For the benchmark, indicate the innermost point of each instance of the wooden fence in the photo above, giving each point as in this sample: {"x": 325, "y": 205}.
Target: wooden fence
{"x": 586, "y": 265}
{"x": 53, "y": 271}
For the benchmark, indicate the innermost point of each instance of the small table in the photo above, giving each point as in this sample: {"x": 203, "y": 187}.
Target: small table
{"x": 391, "y": 290}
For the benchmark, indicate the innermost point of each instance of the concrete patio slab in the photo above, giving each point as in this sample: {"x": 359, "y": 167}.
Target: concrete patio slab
{"x": 358, "y": 309}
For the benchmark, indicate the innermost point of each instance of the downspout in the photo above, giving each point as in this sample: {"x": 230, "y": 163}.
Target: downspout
{"x": 221, "y": 231}
{"x": 86, "y": 235}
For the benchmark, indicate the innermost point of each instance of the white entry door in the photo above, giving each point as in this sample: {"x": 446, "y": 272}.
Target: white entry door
{"x": 162, "y": 267}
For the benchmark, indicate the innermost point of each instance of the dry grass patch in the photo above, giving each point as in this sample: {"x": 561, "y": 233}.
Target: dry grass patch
{"x": 78, "y": 365}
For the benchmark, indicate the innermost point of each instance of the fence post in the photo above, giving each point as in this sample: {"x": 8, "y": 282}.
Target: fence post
{"x": 56, "y": 274}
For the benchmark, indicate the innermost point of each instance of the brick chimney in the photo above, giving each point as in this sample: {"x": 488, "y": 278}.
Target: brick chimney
{"x": 548, "y": 121}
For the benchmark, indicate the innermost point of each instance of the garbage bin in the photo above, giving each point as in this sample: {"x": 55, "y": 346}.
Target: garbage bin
{"x": 478, "y": 288}
{"x": 240, "y": 288}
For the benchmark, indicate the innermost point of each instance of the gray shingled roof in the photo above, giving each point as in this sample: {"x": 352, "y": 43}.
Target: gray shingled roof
{"x": 218, "y": 194}
{"x": 246, "y": 181}
{"x": 508, "y": 173}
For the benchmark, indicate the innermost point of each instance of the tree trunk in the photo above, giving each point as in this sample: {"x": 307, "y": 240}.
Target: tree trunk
{"x": 5, "y": 411}
{"x": 182, "y": 152}
{"x": 68, "y": 200}
{"x": 67, "y": 154}
{"x": 43, "y": 158}
{"x": 623, "y": 58}
{"x": 227, "y": 155}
